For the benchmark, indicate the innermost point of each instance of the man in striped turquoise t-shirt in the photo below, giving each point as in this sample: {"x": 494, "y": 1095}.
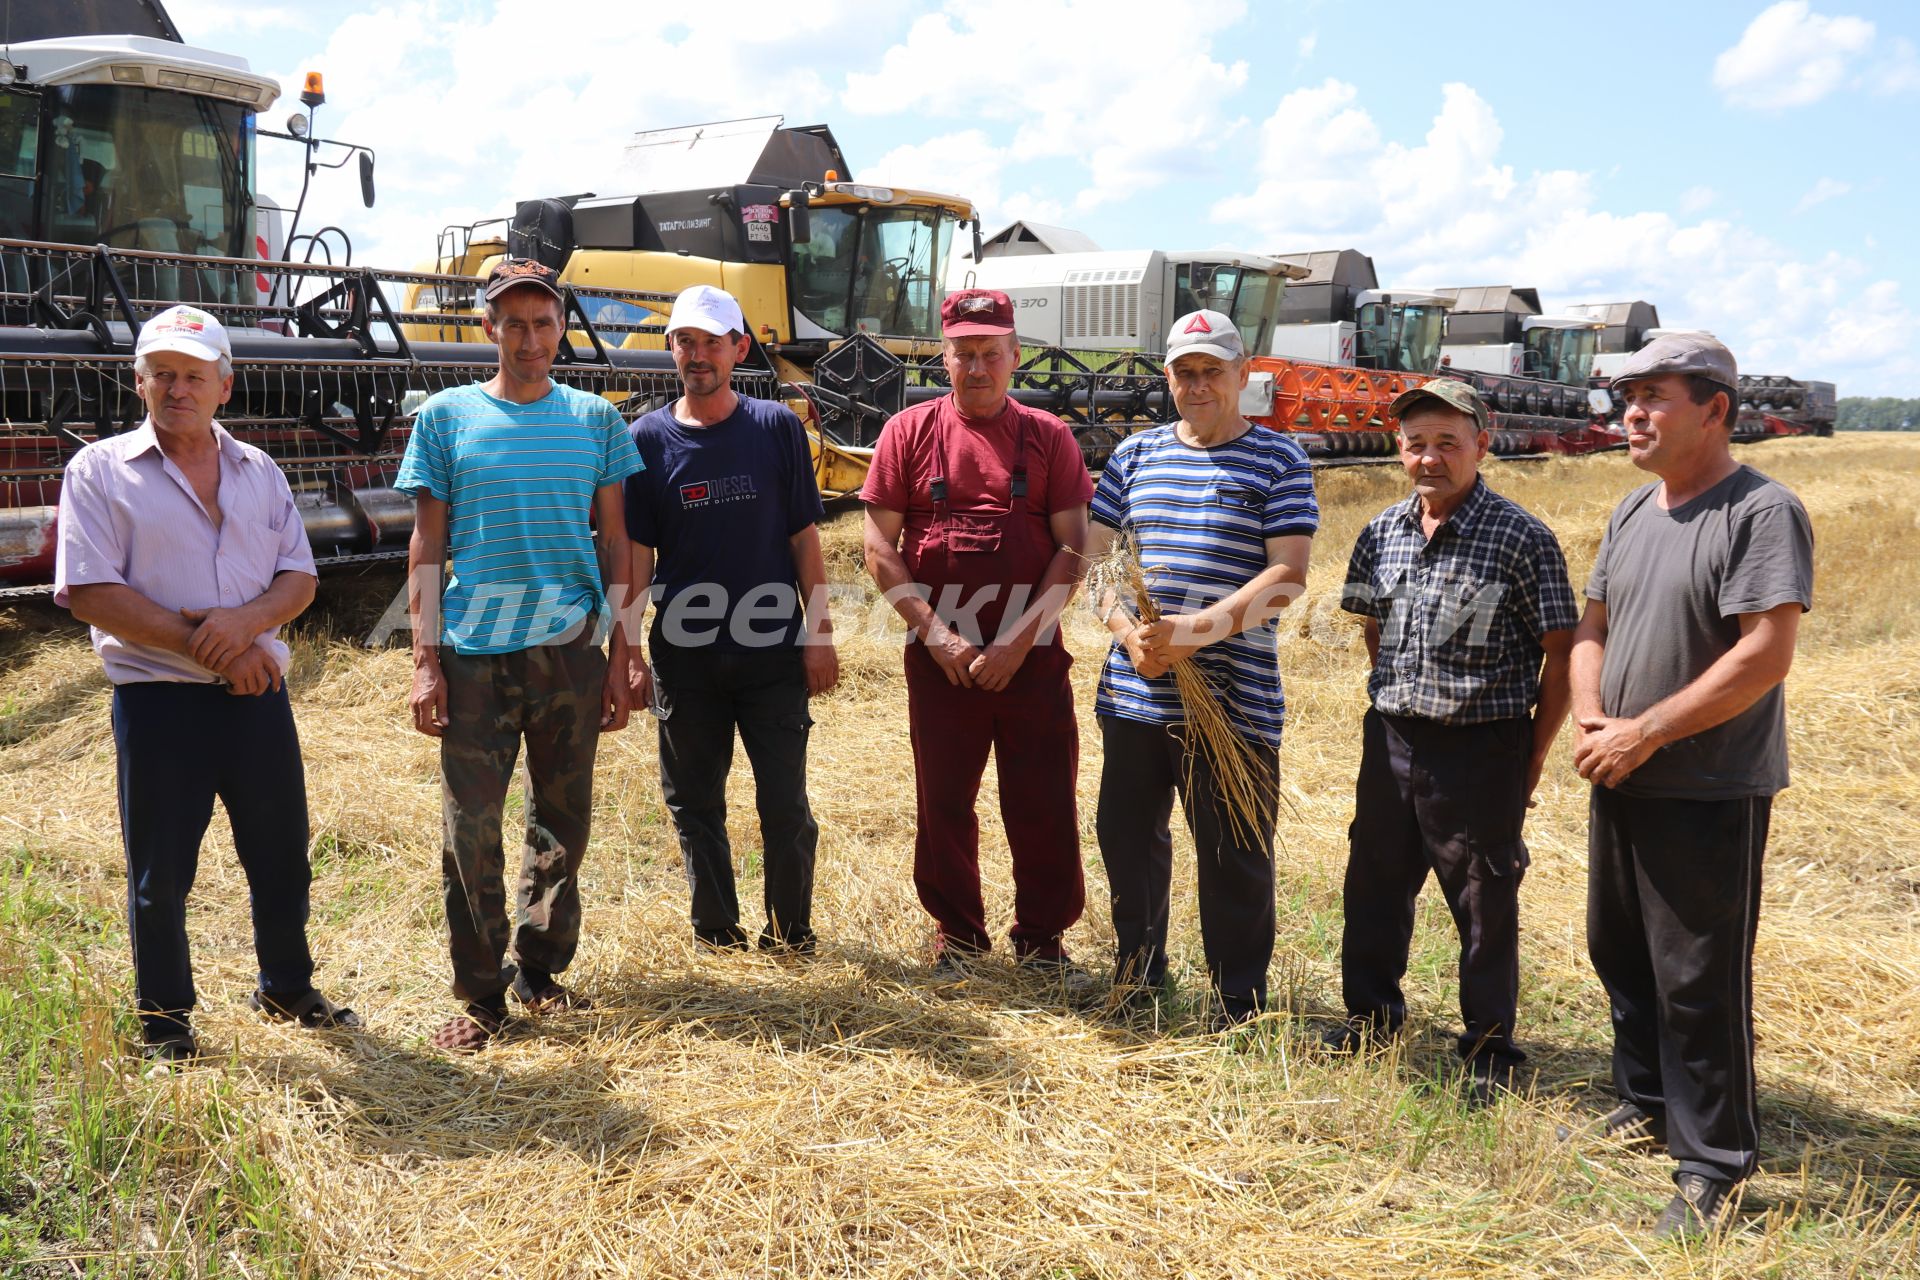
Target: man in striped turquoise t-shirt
{"x": 507, "y": 475}
{"x": 1221, "y": 515}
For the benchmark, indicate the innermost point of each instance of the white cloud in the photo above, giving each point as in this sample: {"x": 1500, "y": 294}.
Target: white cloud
{"x": 1695, "y": 199}
{"x": 1308, "y": 42}
{"x": 966, "y": 163}
{"x": 1050, "y": 71}
{"x": 1896, "y": 71}
{"x": 1822, "y": 191}
{"x": 201, "y": 22}
{"x": 462, "y": 134}
{"x": 1448, "y": 210}
{"x": 1790, "y": 56}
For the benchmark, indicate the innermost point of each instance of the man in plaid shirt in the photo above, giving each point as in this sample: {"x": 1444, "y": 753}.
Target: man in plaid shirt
{"x": 1463, "y": 595}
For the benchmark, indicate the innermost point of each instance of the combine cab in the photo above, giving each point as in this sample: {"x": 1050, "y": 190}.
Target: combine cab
{"x": 1532, "y": 369}
{"x": 1342, "y": 351}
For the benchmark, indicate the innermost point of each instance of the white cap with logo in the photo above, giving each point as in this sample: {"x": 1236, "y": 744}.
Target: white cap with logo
{"x": 1204, "y": 333}
{"x": 187, "y": 330}
{"x": 708, "y": 309}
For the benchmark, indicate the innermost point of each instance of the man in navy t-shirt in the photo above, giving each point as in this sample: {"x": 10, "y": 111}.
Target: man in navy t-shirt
{"x": 725, "y": 539}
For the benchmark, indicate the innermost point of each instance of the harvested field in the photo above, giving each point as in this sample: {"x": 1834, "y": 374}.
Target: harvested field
{"x": 734, "y": 1116}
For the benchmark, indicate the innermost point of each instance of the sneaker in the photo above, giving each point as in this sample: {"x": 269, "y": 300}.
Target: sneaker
{"x": 734, "y": 939}
{"x": 1487, "y": 1083}
{"x": 1695, "y": 1208}
{"x": 1128, "y": 1000}
{"x": 949, "y": 967}
{"x": 1352, "y": 1037}
{"x": 799, "y": 946}
{"x": 1058, "y": 971}
{"x": 538, "y": 991}
{"x": 1229, "y": 1019}
{"x": 1628, "y": 1123}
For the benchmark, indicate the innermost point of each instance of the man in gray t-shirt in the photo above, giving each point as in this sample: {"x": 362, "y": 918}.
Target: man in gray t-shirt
{"x": 1692, "y": 612}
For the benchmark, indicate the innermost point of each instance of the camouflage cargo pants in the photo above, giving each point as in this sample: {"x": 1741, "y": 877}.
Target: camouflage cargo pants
{"x": 549, "y": 696}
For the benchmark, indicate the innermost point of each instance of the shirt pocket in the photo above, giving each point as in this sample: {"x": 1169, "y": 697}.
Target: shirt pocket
{"x": 1462, "y": 612}
{"x": 249, "y": 555}
{"x": 1234, "y": 501}
{"x": 973, "y": 533}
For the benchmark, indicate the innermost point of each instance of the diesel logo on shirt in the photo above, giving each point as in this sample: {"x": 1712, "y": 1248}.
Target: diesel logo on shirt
{"x": 726, "y": 489}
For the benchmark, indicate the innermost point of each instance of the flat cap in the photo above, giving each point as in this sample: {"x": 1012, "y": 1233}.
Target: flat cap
{"x": 1451, "y": 392}
{"x": 1700, "y": 354}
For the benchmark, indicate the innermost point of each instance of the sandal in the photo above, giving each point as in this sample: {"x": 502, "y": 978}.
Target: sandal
{"x": 542, "y": 995}
{"x": 312, "y": 1010}
{"x": 470, "y": 1032}
{"x": 177, "y": 1046}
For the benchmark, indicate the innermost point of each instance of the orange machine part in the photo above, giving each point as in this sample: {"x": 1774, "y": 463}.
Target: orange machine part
{"x": 1325, "y": 397}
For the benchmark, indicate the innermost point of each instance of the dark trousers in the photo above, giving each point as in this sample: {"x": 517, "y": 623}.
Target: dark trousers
{"x": 1030, "y": 730}
{"x": 549, "y": 696}
{"x": 1449, "y": 799}
{"x": 178, "y": 747}
{"x": 1146, "y": 766}
{"x": 1673, "y": 899}
{"x": 704, "y": 695}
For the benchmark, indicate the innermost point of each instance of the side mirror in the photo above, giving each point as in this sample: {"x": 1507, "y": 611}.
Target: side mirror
{"x": 799, "y": 219}
{"x": 366, "y": 178}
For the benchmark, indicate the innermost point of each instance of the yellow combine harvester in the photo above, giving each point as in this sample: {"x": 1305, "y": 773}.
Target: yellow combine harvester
{"x": 765, "y": 212}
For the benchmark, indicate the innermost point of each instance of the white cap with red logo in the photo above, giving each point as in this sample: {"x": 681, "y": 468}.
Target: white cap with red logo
{"x": 1206, "y": 333}
{"x": 187, "y": 330}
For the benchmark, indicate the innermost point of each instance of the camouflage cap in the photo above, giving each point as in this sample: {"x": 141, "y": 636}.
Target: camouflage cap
{"x": 1699, "y": 354}
{"x": 1451, "y": 392}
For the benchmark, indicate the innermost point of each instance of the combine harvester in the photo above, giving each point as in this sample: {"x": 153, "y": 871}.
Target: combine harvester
{"x": 1770, "y": 404}
{"x": 127, "y": 185}
{"x": 841, "y": 281}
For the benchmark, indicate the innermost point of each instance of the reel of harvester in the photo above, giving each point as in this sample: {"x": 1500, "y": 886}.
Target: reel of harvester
{"x": 325, "y": 381}
{"x": 860, "y": 384}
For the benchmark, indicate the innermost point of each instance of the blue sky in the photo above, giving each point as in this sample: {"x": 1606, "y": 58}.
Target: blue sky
{"x": 1749, "y": 167}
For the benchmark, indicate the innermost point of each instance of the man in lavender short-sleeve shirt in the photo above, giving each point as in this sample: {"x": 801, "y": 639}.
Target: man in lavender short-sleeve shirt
{"x": 181, "y": 548}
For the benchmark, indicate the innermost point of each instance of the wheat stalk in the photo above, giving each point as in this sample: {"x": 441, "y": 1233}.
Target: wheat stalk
{"x": 1240, "y": 780}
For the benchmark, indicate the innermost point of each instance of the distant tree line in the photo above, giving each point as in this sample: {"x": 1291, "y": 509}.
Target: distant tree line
{"x": 1877, "y": 413}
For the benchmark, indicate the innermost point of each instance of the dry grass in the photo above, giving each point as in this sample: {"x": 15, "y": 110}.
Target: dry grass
{"x": 736, "y": 1116}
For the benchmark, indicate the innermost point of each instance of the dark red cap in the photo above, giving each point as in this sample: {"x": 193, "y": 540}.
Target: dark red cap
{"x": 972, "y": 311}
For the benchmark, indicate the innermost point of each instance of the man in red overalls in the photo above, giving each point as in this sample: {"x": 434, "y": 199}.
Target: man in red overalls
{"x": 976, "y": 514}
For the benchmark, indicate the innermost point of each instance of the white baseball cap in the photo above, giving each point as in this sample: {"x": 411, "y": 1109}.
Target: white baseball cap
{"x": 187, "y": 330}
{"x": 706, "y": 308}
{"x": 1204, "y": 333}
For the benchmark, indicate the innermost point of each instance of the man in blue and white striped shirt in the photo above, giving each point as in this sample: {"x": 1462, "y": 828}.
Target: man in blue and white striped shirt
{"x": 1221, "y": 515}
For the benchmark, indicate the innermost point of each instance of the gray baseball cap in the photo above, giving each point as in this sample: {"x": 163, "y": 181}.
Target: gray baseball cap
{"x": 1699, "y": 354}
{"x": 1451, "y": 392}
